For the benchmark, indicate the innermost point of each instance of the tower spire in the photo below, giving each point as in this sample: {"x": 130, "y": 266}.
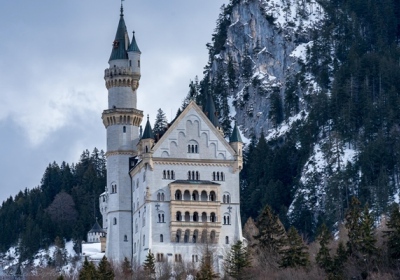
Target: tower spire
{"x": 122, "y": 9}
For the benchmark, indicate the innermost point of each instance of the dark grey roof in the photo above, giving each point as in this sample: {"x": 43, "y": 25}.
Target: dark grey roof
{"x": 118, "y": 50}
{"x": 148, "y": 131}
{"x": 96, "y": 228}
{"x": 194, "y": 182}
{"x": 235, "y": 136}
{"x": 210, "y": 111}
{"x": 133, "y": 47}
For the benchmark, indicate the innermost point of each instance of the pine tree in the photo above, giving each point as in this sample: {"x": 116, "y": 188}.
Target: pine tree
{"x": 368, "y": 247}
{"x": 271, "y": 236}
{"x": 127, "y": 268}
{"x": 105, "y": 270}
{"x": 88, "y": 271}
{"x": 149, "y": 265}
{"x": 323, "y": 258}
{"x": 338, "y": 262}
{"x": 206, "y": 271}
{"x": 393, "y": 234}
{"x": 160, "y": 124}
{"x": 295, "y": 253}
{"x": 237, "y": 261}
{"x": 353, "y": 218}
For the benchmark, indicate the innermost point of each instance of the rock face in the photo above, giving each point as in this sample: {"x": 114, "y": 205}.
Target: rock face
{"x": 265, "y": 44}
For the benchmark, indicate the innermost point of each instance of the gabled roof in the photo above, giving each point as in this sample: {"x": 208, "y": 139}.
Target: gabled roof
{"x": 96, "y": 228}
{"x": 235, "y": 136}
{"x": 148, "y": 131}
{"x": 193, "y": 105}
{"x": 118, "y": 50}
{"x": 133, "y": 47}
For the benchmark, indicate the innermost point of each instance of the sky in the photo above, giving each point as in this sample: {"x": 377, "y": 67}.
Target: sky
{"x": 52, "y": 60}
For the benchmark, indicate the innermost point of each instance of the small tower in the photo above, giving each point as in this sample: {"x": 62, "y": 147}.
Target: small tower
{"x": 134, "y": 60}
{"x": 122, "y": 121}
{"x": 95, "y": 233}
{"x": 235, "y": 141}
{"x": 146, "y": 144}
{"x": 211, "y": 113}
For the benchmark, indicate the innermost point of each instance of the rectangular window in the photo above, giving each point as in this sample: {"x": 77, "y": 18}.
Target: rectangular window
{"x": 160, "y": 257}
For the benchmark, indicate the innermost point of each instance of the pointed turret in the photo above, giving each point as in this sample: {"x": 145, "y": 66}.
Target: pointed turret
{"x": 133, "y": 47}
{"x": 148, "y": 131}
{"x": 211, "y": 113}
{"x": 235, "y": 136}
{"x": 121, "y": 42}
{"x": 235, "y": 141}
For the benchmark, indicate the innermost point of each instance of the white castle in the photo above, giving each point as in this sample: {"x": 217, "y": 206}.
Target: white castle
{"x": 167, "y": 195}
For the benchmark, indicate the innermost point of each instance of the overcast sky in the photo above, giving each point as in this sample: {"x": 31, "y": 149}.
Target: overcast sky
{"x": 52, "y": 60}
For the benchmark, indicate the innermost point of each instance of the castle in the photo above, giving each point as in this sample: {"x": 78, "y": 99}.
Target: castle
{"x": 169, "y": 194}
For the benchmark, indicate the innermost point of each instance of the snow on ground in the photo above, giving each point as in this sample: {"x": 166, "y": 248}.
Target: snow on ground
{"x": 283, "y": 128}
{"x": 92, "y": 251}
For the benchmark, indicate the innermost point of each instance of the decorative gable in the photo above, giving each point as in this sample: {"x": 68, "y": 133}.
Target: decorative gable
{"x": 193, "y": 136}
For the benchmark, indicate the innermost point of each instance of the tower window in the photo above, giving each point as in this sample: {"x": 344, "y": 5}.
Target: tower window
{"x": 130, "y": 63}
{"x": 115, "y": 221}
{"x": 226, "y": 239}
{"x": 138, "y": 63}
{"x": 125, "y": 238}
{"x": 124, "y": 129}
{"x": 161, "y": 238}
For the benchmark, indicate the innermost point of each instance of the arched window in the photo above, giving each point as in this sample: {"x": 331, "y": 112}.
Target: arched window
{"x": 195, "y": 217}
{"x": 178, "y": 195}
{"x": 162, "y": 218}
{"x": 187, "y": 217}
{"x": 195, "y": 195}
{"x": 186, "y": 237}
{"x": 172, "y": 175}
{"x": 195, "y": 236}
{"x": 124, "y": 129}
{"x": 213, "y": 176}
{"x": 125, "y": 238}
{"x": 213, "y": 218}
{"x": 195, "y": 149}
{"x": 159, "y": 217}
{"x": 189, "y": 175}
{"x": 204, "y": 236}
{"x": 226, "y": 239}
{"x": 228, "y": 199}
{"x": 222, "y": 176}
{"x": 224, "y": 220}
{"x": 158, "y": 197}
{"x": 203, "y": 196}
{"x": 178, "y": 216}
{"x": 178, "y": 235}
{"x": 212, "y": 196}
{"x": 204, "y": 217}
{"x": 197, "y": 175}
{"x": 186, "y": 195}
{"x": 192, "y": 149}
{"x": 224, "y": 198}
{"x": 188, "y": 148}
{"x": 217, "y": 176}
{"x": 164, "y": 174}
{"x": 162, "y": 197}
{"x": 212, "y": 236}
{"x": 161, "y": 238}
{"x": 168, "y": 175}
{"x": 115, "y": 221}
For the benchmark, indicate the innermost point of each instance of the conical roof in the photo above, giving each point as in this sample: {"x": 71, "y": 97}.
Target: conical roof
{"x": 235, "y": 136}
{"x": 148, "y": 131}
{"x": 133, "y": 47}
{"x": 210, "y": 111}
{"x": 118, "y": 50}
{"x": 96, "y": 228}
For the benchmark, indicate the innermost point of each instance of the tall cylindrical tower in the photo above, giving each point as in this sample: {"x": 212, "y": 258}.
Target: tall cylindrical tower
{"x": 122, "y": 121}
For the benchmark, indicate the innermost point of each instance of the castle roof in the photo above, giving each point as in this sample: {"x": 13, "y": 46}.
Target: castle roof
{"x": 195, "y": 182}
{"x": 235, "y": 136}
{"x": 96, "y": 228}
{"x": 118, "y": 50}
{"x": 148, "y": 131}
{"x": 133, "y": 47}
{"x": 209, "y": 110}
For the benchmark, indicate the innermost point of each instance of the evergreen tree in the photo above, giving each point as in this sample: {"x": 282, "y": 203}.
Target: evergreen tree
{"x": 88, "y": 271}
{"x": 149, "y": 265}
{"x": 237, "y": 261}
{"x": 127, "y": 268}
{"x": 272, "y": 235}
{"x": 206, "y": 271}
{"x": 353, "y": 219}
{"x": 161, "y": 123}
{"x": 339, "y": 260}
{"x": 105, "y": 270}
{"x": 295, "y": 253}
{"x": 323, "y": 258}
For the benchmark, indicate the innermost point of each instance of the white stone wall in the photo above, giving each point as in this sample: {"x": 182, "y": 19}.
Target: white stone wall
{"x": 121, "y": 97}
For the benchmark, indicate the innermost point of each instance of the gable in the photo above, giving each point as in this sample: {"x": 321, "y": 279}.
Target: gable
{"x": 193, "y": 136}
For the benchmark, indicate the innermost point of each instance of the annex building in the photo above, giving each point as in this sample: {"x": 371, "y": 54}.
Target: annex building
{"x": 171, "y": 193}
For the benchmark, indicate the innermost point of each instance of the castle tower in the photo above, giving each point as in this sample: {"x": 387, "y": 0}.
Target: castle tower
{"x": 121, "y": 120}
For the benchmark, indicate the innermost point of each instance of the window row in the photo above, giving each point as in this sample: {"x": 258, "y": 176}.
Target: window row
{"x": 195, "y": 217}
{"x": 169, "y": 174}
{"x": 193, "y": 237}
{"x": 194, "y": 175}
{"x": 218, "y": 176}
{"x": 160, "y": 257}
{"x": 204, "y": 196}
{"x": 193, "y": 149}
